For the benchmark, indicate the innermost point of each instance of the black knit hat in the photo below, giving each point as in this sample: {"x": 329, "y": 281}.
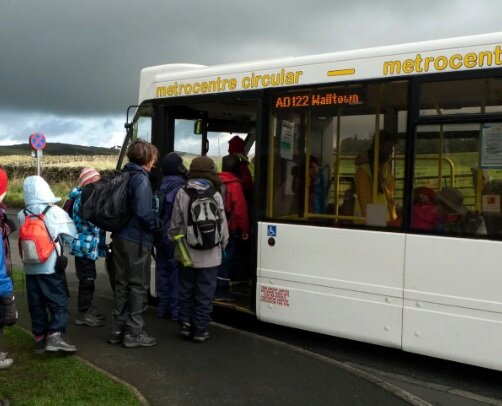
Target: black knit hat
{"x": 172, "y": 164}
{"x": 231, "y": 163}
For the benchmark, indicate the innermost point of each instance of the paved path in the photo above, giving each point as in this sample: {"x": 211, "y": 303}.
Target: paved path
{"x": 233, "y": 368}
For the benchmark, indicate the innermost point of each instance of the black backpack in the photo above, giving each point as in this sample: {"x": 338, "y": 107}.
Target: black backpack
{"x": 68, "y": 207}
{"x": 204, "y": 221}
{"x": 105, "y": 203}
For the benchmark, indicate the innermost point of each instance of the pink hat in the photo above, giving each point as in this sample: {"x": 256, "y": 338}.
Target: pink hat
{"x": 86, "y": 176}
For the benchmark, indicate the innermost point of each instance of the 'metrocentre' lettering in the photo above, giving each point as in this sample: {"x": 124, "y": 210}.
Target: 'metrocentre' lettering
{"x": 282, "y": 77}
{"x": 420, "y": 64}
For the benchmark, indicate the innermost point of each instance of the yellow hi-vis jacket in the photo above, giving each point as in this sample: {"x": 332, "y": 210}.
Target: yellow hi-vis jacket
{"x": 364, "y": 185}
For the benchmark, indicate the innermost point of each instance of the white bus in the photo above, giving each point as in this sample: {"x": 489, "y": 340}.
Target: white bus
{"x": 398, "y": 246}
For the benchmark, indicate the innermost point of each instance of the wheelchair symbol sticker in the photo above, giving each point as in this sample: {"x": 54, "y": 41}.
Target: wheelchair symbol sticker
{"x": 272, "y": 231}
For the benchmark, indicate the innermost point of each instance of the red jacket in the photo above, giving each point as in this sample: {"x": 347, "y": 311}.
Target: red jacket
{"x": 235, "y": 203}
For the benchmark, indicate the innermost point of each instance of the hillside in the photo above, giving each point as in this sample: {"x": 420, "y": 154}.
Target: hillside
{"x": 57, "y": 149}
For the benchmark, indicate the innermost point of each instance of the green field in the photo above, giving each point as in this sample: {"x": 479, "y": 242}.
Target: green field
{"x": 61, "y": 172}
{"x": 456, "y": 171}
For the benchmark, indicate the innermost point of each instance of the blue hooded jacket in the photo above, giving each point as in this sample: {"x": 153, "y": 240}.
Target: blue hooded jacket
{"x": 143, "y": 221}
{"x": 91, "y": 240}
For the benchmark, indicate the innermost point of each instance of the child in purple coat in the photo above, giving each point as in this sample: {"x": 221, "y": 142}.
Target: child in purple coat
{"x": 173, "y": 178}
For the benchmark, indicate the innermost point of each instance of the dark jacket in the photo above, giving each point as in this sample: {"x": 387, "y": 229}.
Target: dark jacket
{"x": 143, "y": 221}
{"x": 7, "y": 227}
{"x": 168, "y": 190}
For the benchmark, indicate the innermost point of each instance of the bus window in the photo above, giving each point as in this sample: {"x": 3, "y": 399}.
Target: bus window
{"x": 143, "y": 128}
{"x": 458, "y": 180}
{"x": 186, "y": 143}
{"x": 142, "y": 124}
{"x": 323, "y": 155}
{"x": 218, "y": 145}
{"x": 461, "y": 97}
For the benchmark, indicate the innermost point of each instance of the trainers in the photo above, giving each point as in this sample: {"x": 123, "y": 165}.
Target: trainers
{"x": 56, "y": 342}
{"x": 141, "y": 340}
{"x": 6, "y": 362}
{"x": 201, "y": 337}
{"x": 96, "y": 313}
{"x": 185, "y": 330}
{"x": 40, "y": 344}
{"x": 116, "y": 337}
{"x": 88, "y": 319}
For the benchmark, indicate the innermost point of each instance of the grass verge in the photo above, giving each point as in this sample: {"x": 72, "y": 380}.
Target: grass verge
{"x": 53, "y": 379}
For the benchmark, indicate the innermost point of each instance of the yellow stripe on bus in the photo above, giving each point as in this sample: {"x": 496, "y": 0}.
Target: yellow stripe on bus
{"x": 340, "y": 72}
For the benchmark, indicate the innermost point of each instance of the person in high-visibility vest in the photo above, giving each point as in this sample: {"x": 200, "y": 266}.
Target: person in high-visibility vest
{"x": 365, "y": 163}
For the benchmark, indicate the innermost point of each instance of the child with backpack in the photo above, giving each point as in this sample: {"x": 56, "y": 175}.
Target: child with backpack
{"x": 132, "y": 249}
{"x": 89, "y": 245}
{"x": 238, "y": 222}
{"x": 44, "y": 228}
{"x": 8, "y": 311}
{"x": 199, "y": 214}
{"x": 167, "y": 284}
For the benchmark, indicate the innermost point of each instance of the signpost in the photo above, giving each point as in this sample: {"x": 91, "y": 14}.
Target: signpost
{"x": 38, "y": 142}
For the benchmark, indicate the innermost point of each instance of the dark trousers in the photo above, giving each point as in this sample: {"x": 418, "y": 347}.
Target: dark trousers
{"x": 47, "y": 292}
{"x": 225, "y": 270}
{"x": 132, "y": 278}
{"x": 197, "y": 287}
{"x": 86, "y": 274}
{"x": 167, "y": 282}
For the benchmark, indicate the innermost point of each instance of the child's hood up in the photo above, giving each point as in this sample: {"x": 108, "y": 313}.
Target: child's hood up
{"x": 37, "y": 191}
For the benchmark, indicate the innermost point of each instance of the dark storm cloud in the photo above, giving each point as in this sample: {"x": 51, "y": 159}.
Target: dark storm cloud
{"x": 83, "y": 58}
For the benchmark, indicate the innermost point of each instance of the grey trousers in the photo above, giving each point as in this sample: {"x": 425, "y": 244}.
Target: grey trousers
{"x": 132, "y": 280}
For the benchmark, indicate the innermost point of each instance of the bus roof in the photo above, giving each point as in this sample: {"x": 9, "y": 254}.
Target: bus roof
{"x": 445, "y": 55}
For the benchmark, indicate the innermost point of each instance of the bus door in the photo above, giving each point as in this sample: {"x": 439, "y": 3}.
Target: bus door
{"x": 214, "y": 131}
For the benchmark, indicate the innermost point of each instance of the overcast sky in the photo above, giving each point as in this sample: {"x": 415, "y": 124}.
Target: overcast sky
{"x": 70, "y": 68}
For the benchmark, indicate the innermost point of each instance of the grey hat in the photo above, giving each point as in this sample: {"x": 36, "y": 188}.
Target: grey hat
{"x": 454, "y": 199}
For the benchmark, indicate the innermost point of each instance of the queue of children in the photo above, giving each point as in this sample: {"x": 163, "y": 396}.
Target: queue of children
{"x": 185, "y": 292}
